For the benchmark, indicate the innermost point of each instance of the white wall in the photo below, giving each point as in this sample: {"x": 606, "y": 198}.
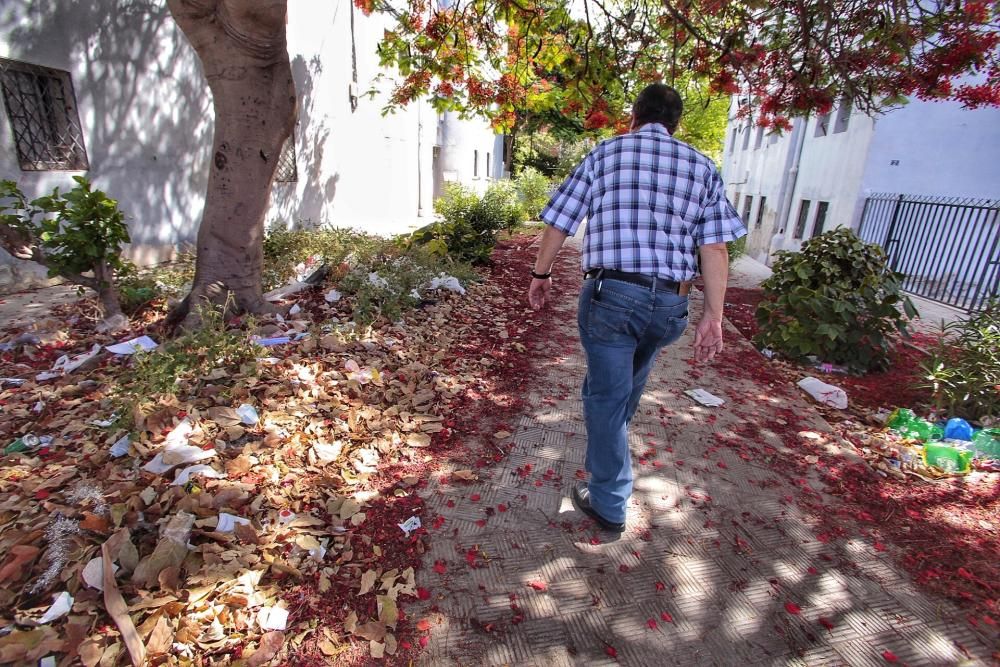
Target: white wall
{"x": 469, "y": 151}
{"x": 143, "y": 105}
{"x": 942, "y": 149}
{"x": 755, "y": 172}
{"x": 147, "y": 121}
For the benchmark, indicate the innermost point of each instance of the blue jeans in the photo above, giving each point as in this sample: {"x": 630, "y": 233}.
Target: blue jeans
{"x": 622, "y": 328}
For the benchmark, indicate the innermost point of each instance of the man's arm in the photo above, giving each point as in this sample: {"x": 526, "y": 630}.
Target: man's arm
{"x": 715, "y": 270}
{"x": 552, "y": 241}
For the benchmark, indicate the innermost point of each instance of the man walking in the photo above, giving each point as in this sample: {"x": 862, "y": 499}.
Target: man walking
{"x": 653, "y": 205}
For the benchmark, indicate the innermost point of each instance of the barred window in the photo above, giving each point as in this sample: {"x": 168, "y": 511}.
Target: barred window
{"x": 287, "y": 170}
{"x": 41, "y": 107}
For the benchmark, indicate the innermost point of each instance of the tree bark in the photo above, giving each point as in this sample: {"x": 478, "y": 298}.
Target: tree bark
{"x": 244, "y": 55}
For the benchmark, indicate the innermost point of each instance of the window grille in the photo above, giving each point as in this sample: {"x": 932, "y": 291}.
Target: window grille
{"x": 287, "y": 170}
{"x": 760, "y": 213}
{"x": 41, "y": 107}
{"x": 822, "y": 125}
{"x": 843, "y": 116}
{"x": 747, "y": 205}
{"x": 821, "y": 210}
{"x": 800, "y": 225}
{"x": 760, "y": 138}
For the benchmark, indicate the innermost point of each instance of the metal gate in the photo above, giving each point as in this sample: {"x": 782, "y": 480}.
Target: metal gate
{"x": 948, "y": 248}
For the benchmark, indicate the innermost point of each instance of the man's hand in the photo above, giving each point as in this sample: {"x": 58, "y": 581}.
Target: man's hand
{"x": 707, "y": 339}
{"x": 538, "y": 292}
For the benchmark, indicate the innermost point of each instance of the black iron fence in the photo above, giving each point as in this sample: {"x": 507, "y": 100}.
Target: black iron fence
{"x": 948, "y": 248}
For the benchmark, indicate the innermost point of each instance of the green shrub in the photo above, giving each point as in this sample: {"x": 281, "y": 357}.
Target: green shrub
{"x": 835, "y": 299}
{"x": 964, "y": 371}
{"x": 469, "y": 224}
{"x": 78, "y": 236}
{"x": 737, "y": 248}
{"x": 400, "y": 276}
{"x": 285, "y": 249}
{"x": 533, "y": 190}
{"x": 188, "y": 360}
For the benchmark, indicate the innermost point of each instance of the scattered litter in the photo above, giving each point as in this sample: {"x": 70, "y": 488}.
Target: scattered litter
{"x": 410, "y": 525}
{"x": 13, "y": 382}
{"x": 227, "y": 522}
{"x": 333, "y": 296}
{"x": 444, "y": 281}
{"x": 767, "y": 352}
{"x": 377, "y": 280}
{"x": 121, "y": 447}
{"x": 947, "y": 458}
{"x": 286, "y": 516}
{"x": 184, "y": 476}
{"x": 177, "y": 451}
{"x": 61, "y": 605}
{"x": 58, "y": 537}
{"x": 958, "y": 429}
{"x": 705, "y": 398}
{"x": 904, "y": 422}
{"x": 104, "y": 423}
{"x": 248, "y": 414}
{"x": 361, "y": 375}
{"x": 295, "y": 309}
{"x": 142, "y": 343}
{"x": 67, "y": 364}
{"x": 278, "y": 340}
{"x": 88, "y": 493}
{"x": 327, "y": 452}
{"x": 824, "y": 393}
{"x": 47, "y": 661}
{"x": 272, "y": 618}
{"x": 27, "y": 443}
{"x": 414, "y": 294}
{"x": 170, "y": 551}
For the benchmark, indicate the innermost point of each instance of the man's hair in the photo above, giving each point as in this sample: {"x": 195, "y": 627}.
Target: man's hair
{"x": 658, "y": 103}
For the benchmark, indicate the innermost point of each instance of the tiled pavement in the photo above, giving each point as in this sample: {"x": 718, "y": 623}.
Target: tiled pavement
{"x": 721, "y": 569}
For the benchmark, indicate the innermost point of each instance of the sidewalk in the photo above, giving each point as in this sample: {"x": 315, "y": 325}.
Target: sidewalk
{"x": 718, "y": 565}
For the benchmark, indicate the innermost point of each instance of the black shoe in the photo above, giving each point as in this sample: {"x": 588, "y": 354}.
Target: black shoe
{"x": 581, "y": 499}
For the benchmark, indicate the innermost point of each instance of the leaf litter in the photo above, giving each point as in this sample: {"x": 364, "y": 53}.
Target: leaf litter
{"x": 255, "y": 514}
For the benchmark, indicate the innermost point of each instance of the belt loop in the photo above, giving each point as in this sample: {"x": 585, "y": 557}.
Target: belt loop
{"x": 652, "y": 287}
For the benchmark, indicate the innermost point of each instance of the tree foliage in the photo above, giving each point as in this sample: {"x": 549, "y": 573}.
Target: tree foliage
{"x": 793, "y": 57}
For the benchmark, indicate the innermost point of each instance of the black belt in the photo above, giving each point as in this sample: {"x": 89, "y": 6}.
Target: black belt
{"x": 635, "y": 278}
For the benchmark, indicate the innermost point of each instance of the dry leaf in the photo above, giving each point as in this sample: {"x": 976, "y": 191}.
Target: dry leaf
{"x": 224, "y": 416}
{"x": 115, "y": 604}
{"x": 501, "y": 435}
{"x": 160, "y": 638}
{"x": 327, "y": 648}
{"x": 418, "y": 440}
{"x": 367, "y": 581}
{"x": 270, "y": 644}
{"x": 388, "y": 613}
{"x": 466, "y": 475}
{"x": 377, "y": 649}
{"x": 372, "y": 631}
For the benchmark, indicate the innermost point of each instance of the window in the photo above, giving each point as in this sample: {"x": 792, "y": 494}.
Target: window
{"x": 41, "y": 107}
{"x": 822, "y": 125}
{"x": 800, "y": 225}
{"x": 843, "y": 116}
{"x": 746, "y": 137}
{"x": 821, "y": 209}
{"x": 287, "y": 171}
{"x": 488, "y": 172}
{"x": 732, "y": 141}
{"x": 747, "y": 205}
{"x": 759, "y": 141}
{"x": 760, "y": 213}
{"x": 475, "y": 164}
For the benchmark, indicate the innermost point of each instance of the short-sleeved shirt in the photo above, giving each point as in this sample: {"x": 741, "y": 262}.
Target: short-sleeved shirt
{"x": 650, "y": 201}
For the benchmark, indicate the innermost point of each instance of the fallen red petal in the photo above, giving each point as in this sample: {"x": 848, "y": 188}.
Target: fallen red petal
{"x": 667, "y": 618}
{"x": 889, "y": 656}
{"x": 793, "y": 608}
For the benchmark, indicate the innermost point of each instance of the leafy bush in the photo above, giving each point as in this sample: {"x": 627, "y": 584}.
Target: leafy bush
{"x": 737, "y": 248}
{"x": 74, "y": 234}
{"x": 398, "y": 282}
{"x": 285, "y": 249}
{"x": 835, "y": 299}
{"x": 213, "y": 351}
{"x": 533, "y": 190}
{"x": 469, "y": 224}
{"x": 964, "y": 371}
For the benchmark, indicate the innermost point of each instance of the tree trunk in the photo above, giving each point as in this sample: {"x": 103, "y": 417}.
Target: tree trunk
{"x": 244, "y": 55}
{"x": 107, "y": 293}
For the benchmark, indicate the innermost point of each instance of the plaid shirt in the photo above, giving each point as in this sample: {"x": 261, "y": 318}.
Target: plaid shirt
{"x": 650, "y": 202}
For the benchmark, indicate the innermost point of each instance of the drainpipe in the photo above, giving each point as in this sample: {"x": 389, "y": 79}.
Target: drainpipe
{"x": 787, "y": 191}
{"x": 420, "y": 171}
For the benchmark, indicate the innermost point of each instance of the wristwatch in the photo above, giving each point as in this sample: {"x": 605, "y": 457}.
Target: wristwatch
{"x": 540, "y": 276}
